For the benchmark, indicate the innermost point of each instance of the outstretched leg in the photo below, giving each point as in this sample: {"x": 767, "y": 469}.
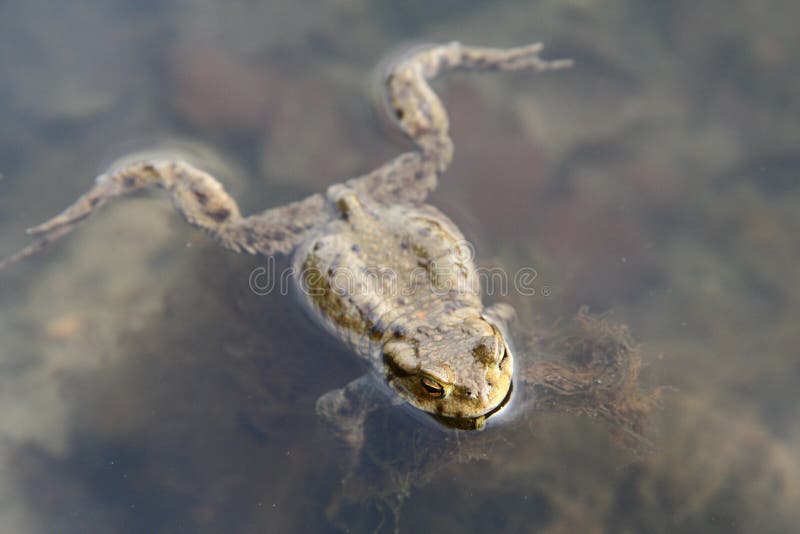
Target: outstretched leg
{"x": 202, "y": 201}
{"x": 419, "y": 111}
{"x": 411, "y": 102}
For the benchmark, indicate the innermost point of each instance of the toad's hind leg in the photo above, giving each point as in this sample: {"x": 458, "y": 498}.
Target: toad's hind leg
{"x": 419, "y": 111}
{"x": 420, "y": 114}
{"x": 202, "y": 201}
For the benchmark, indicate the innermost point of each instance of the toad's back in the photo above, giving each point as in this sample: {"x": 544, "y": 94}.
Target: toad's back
{"x": 380, "y": 272}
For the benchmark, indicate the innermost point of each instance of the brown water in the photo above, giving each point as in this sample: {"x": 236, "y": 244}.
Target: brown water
{"x": 145, "y": 388}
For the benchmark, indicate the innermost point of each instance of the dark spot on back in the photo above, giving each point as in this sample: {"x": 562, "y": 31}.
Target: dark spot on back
{"x": 220, "y": 215}
{"x": 375, "y": 332}
{"x": 201, "y": 197}
{"x": 344, "y": 208}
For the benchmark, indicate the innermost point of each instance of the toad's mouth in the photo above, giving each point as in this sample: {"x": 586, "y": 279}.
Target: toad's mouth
{"x": 473, "y": 423}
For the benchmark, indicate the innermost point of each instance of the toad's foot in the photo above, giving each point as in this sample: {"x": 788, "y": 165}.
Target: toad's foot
{"x": 202, "y": 201}
{"x": 417, "y": 109}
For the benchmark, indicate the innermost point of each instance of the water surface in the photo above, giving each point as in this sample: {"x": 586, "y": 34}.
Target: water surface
{"x": 145, "y": 388}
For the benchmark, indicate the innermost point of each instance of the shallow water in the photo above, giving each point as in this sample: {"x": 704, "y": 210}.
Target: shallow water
{"x": 146, "y": 388}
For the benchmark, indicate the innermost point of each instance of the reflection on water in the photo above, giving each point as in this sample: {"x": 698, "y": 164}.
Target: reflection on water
{"x": 145, "y": 388}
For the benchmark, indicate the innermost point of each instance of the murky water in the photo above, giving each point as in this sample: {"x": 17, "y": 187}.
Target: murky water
{"x": 146, "y": 388}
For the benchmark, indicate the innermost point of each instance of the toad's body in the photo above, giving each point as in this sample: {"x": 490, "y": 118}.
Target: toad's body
{"x": 389, "y": 275}
{"x": 398, "y": 285}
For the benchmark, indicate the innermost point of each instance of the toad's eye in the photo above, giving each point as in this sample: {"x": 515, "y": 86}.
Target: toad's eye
{"x": 432, "y": 387}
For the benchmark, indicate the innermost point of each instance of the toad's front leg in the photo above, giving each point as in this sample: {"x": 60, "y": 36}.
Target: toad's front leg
{"x": 202, "y": 201}
{"x": 344, "y": 411}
